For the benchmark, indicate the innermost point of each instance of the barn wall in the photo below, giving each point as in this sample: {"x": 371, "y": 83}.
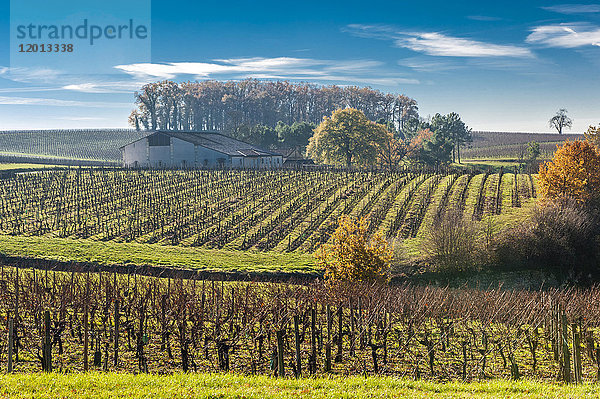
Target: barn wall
{"x": 210, "y": 158}
{"x": 136, "y": 151}
{"x": 159, "y": 155}
{"x": 182, "y": 153}
{"x": 237, "y": 162}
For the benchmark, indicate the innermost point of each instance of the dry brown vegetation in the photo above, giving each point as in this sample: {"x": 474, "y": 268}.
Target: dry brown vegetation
{"x": 133, "y": 323}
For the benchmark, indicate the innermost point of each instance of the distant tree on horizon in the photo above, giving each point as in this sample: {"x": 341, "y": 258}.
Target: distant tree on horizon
{"x": 560, "y": 121}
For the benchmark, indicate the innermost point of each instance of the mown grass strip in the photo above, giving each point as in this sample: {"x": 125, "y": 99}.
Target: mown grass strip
{"x": 113, "y": 253}
{"x": 97, "y": 385}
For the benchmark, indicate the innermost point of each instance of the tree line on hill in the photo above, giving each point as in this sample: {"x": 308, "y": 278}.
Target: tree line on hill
{"x": 225, "y": 106}
{"x": 375, "y": 128}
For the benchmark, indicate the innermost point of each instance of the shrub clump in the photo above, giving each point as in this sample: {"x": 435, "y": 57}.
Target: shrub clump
{"x": 562, "y": 237}
{"x": 351, "y": 255}
{"x": 452, "y": 244}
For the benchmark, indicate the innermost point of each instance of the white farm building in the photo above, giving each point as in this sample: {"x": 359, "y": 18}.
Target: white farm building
{"x": 196, "y": 149}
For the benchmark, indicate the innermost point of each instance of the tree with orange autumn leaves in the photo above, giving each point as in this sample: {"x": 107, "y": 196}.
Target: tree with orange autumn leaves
{"x": 351, "y": 255}
{"x": 593, "y": 136}
{"x": 573, "y": 172}
{"x": 390, "y": 152}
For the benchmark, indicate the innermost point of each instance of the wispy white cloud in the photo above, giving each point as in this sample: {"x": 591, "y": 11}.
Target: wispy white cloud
{"x": 428, "y": 64}
{"x": 30, "y": 75}
{"x": 348, "y": 79}
{"x": 4, "y": 100}
{"x": 439, "y": 44}
{"x": 103, "y": 87}
{"x": 568, "y": 35}
{"x": 574, "y": 8}
{"x": 484, "y": 18}
{"x": 292, "y": 68}
{"x": 41, "y": 80}
{"x": 32, "y": 89}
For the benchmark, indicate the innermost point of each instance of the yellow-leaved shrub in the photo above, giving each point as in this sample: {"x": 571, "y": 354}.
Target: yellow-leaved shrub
{"x": 351, "y": 255}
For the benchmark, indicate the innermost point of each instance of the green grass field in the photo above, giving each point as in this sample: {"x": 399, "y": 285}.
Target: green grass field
{"x": 111, "y": 253}
{"x": 18, "y": 166}
{"x": 96, "y": 385}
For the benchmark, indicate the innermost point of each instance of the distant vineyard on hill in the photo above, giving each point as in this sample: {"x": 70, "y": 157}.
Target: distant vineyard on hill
{"x": 102, "y": 145}
{"x": 507, "y": 145}
{"x": 262, "y": 210}
{"x": 80, "y": 144}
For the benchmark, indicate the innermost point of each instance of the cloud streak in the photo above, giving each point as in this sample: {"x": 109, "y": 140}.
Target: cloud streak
{"x": 447, "y": 46}
{"x": 483, "y": 18}
{"x": 569, "y": 35}
{"x": 439, "y": 44}
{"x": 292, "y": 68}
{"x": 103, "y": 87}
{"x": 53, "y": 102}
{"x": 574, "y": 8}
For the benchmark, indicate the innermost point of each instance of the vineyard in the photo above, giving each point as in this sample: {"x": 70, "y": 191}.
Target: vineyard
{"x": 504, "y": 145}
{"x": 280, "y": 211}
{"x": 100, "y": 145}
{"x": 72, "y": 321}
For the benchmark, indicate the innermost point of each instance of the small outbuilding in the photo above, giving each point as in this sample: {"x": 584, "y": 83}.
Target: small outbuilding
{"x": 196, "y": 149}
{"x": 294, "y": 158}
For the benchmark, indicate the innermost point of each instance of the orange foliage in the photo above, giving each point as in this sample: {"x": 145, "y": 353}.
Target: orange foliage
{"x": 593, "y": 135}
{"x": 413, "y": 150}
{"x": 390, "y": 152}
{"x": 352, "y": 256}
{"x": 573, "y": 172}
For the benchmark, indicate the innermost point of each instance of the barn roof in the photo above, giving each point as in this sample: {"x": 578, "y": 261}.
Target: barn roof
{"x": 218, "y": 142}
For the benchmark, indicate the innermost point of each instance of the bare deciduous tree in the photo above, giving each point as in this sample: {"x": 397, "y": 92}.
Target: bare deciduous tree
{"x": 560, "y": 121}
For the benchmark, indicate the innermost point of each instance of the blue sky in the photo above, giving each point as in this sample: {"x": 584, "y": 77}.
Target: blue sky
{"x": 503, "y": 66}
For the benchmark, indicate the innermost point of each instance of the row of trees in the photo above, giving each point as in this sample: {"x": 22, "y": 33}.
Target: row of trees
{"x": 285, "y": 115}
{"x": 282, "y": 135}
{"x": 225, "y": 106}
{"x": 349, "y": 138}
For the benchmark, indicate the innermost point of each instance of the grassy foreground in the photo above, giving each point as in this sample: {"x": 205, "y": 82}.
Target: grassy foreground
{"x": 96, "y": 385}
{"x": 114, "y": 253}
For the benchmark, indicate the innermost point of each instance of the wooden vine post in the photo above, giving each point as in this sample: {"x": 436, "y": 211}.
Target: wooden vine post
{"x": 576, "y": 353}
{"x": 340, "y": 334}
{"x": 85, "y": 338}
{"x": 280, "y": 348}
{"x": 312, "y": 362}
{"x": 328, "y": 342}
{"x": 297, "y": 347}
{"x": 16, "y": 318}
{"x": 352, "y": 328}
{"x": 11, "y": 332}
{"x": 566, "y": 356}
{"x": 117, "y": 322}
{"x": 47, "y": 346}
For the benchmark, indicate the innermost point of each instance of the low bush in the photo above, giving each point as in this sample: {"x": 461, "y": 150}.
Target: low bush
{"x": 561, "y": 237}
{"x": 452, "y": 244}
